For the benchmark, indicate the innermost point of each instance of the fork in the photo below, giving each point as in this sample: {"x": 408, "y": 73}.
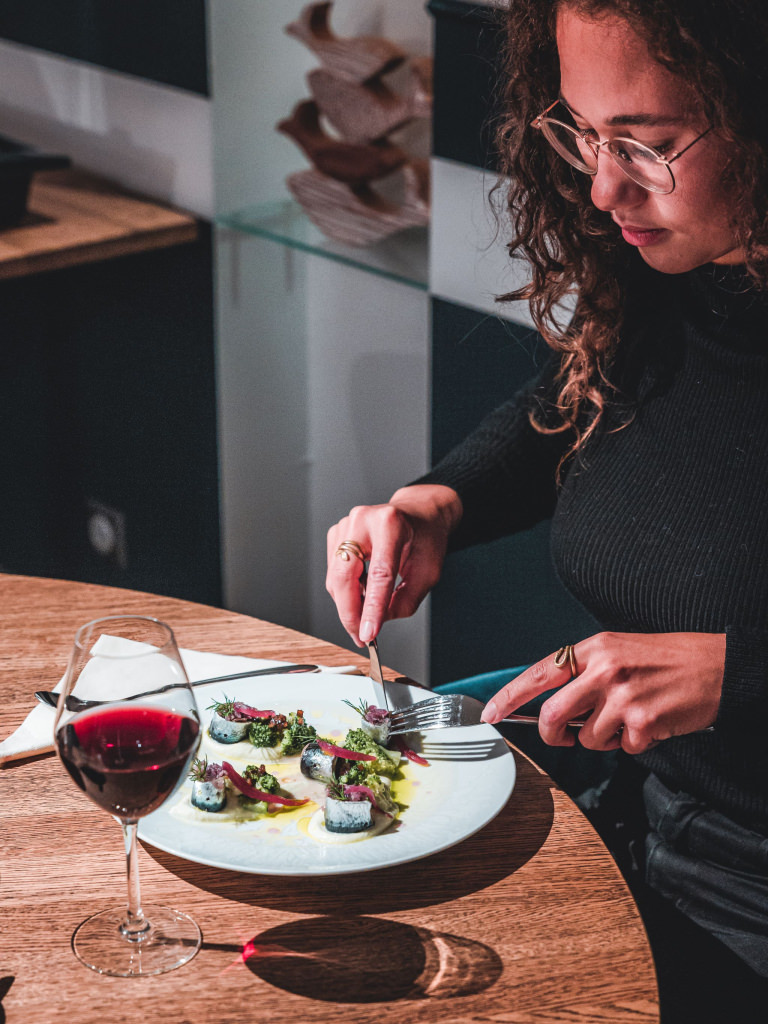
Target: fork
{"x": 447, "y": 711}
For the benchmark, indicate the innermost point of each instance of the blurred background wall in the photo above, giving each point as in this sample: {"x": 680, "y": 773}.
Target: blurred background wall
{"x": 192, "y": 420}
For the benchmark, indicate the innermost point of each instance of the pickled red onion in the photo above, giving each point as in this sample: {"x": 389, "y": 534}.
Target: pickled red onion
{"x": 407, "y": 752}
{"x": 348, "y": 755}
{"x": 256, "y": 794}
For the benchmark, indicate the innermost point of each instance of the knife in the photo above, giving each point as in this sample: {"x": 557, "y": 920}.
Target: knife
{"x": 377, "y": 678}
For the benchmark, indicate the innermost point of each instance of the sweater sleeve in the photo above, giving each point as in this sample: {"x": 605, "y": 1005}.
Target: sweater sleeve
{"x": 745, "y": 680}
{"x": 505, "y": 471}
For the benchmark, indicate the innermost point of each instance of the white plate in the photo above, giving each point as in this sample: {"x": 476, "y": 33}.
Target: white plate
{"x": 469, "y": 780}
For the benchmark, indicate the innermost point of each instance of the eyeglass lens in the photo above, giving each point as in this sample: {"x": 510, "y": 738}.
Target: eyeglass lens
{"x": 636, "y": 160}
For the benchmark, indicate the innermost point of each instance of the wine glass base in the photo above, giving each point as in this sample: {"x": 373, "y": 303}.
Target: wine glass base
{"x": 172, "y": 940}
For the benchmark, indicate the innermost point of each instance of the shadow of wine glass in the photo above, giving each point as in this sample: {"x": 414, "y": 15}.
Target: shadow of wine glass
{"x": 369, "y": 960}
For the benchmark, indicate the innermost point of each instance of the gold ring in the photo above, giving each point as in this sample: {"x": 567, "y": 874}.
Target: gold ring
{"x": 350, "y": 547}
{"x": 566, "y": 655}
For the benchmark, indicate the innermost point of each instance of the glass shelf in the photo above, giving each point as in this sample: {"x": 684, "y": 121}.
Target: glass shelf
{"x": 402, "y": 257}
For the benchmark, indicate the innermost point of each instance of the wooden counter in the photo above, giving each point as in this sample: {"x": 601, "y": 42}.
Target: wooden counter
{"x": 74, "y": 218}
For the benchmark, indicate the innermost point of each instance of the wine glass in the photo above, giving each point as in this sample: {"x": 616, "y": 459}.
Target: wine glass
{"x": 129, "y": 754}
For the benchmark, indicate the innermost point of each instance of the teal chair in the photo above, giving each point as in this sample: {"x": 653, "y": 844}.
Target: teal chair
{"x": 575, "y": 769}
{"x": 484, "y": 685}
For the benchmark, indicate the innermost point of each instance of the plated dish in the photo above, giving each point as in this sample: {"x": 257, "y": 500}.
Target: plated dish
{"x": 470, "y": 776}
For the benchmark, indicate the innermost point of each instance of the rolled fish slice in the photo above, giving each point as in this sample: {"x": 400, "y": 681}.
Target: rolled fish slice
{"x": 348, "y": 815}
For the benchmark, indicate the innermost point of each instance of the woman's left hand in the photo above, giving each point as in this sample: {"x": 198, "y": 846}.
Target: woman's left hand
{"x": 633, "y": 689}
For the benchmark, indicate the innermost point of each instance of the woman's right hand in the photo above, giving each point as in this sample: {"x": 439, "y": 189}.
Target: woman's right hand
{"x": 407, "y": 537}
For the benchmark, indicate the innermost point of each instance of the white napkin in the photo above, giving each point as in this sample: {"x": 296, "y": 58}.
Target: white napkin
{"x": 35, "y": 734}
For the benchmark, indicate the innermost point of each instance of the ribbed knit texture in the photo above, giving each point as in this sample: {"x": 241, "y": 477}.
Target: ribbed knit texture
{"x": 660, "y": 526}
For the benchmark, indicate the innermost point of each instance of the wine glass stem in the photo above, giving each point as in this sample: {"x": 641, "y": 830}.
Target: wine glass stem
{"x": 135, "y": 927}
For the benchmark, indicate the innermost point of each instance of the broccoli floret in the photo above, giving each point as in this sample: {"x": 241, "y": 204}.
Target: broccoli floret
{"x": 261, "y": 779}
{"x": 267, "y": 732}
{"x": 357, "y": 773}
{"x": 387, "y": 761}
{"x": 297, "y": 734}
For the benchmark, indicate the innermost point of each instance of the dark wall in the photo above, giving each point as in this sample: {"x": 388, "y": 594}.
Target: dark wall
{"x": 467, "y": 47}
{"x": 108, "y": 416}
{"x": 162, "y": 40}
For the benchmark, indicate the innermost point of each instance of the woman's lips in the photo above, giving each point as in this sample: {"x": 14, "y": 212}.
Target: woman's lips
{"x": 641, "y": 236}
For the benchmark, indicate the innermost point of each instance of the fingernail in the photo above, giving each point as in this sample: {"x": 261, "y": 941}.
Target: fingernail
{"x": 366, "y": 631}
{"x": 489, "y": 713}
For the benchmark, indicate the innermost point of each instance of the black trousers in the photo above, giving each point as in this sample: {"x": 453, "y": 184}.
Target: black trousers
{"x": 701, "y": 885}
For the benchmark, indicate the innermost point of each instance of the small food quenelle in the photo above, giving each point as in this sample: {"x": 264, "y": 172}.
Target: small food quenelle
{"x": 374, "y": 721}
{"x": 347, "y": 813}
{"x": 209, "y": 785}
{"x": 232, "y": 720}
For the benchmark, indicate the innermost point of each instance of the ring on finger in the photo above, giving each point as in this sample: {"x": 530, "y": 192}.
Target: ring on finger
{"x": 566, "y": 656}
{"x": 347, "y": 548}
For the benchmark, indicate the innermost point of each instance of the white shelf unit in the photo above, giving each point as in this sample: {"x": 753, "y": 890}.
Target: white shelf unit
{"x": 322, "y": 354}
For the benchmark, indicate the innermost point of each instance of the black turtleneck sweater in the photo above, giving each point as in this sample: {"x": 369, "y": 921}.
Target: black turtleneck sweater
{"x": 660, "y": 526}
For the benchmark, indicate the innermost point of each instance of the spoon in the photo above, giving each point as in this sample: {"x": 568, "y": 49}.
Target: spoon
{"x": 51, "y": 698}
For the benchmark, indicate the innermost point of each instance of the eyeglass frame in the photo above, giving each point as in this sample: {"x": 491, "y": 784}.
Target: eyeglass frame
{"x": 596, "y": 146}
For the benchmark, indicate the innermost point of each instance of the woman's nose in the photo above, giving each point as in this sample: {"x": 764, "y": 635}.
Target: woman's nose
{"x": 612, "y": 189}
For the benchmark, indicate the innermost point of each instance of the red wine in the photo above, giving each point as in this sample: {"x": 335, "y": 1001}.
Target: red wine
{"x": 128, "y": 758}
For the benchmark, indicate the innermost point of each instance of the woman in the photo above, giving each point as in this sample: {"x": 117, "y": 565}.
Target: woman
{"x": 636, "y": 137}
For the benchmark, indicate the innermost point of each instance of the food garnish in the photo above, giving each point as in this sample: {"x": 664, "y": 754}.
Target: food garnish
{"x": 250, "y": 791}
{"x": 237, "y": 711}
{"x": 406, "y": 751}
{"x": 267, "y": 732}
{"x": 383, "y": 761}
{"x": 298, "y": 732}
{"x": 345, "y": 752}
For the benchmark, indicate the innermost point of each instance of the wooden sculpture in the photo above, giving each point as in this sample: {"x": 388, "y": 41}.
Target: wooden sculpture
{"x": 358, "y": 59}
{"x": 358, "y": 215}
{"x": 350, "y": 93}
{"x": 345, "y": 161}
{"x": 359, "y": 111}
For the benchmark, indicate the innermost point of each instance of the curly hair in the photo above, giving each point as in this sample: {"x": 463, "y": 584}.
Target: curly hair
{"x": 718, "y": 47}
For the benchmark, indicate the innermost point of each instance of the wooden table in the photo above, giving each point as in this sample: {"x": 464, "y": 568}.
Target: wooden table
{"x": 527, "y": 921}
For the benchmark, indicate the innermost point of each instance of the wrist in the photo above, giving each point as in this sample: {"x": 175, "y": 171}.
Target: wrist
{"x": 433, "y": 502}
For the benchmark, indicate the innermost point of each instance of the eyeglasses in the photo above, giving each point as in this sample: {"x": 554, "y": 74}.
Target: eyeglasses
{"x": 643, "y": 164}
